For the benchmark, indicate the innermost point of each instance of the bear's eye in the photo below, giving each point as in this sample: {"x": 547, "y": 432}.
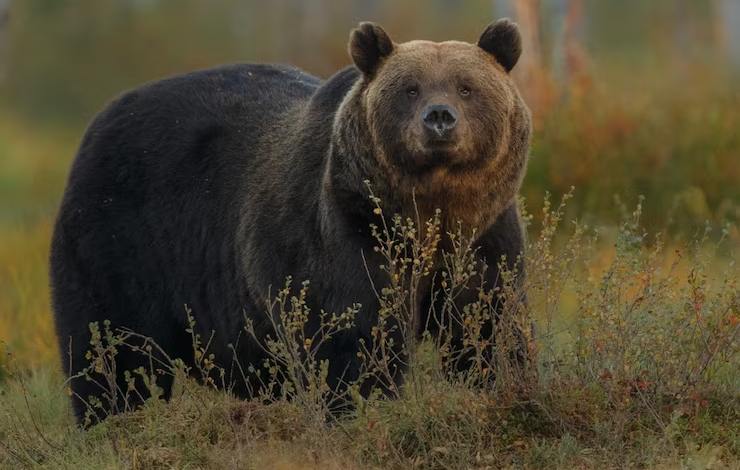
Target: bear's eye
{"x": 412, "y": 91}
{"x": 464, "y": 91}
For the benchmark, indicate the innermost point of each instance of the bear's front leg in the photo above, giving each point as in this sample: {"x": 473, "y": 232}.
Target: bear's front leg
{"x": 366, "y": 353}
{"x": 479, "y": 324}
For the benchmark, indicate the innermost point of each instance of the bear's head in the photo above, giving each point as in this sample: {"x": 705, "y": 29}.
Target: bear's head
{"x": 443, "y": 122}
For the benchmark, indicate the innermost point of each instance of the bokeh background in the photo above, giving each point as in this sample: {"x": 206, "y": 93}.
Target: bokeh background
{"x": 629, "y": 97}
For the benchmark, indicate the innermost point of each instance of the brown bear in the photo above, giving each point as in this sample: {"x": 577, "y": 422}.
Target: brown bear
{"x": 208, "y": 189}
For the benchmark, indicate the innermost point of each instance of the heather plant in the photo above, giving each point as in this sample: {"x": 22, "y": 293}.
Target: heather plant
{"x": 105, "y": 345}
{"x": 652, "y": 329}
{"x": 408, "y": 254}
{"x": 295, "y": 366}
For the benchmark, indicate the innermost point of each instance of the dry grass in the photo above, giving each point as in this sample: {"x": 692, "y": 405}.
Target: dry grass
{"x": 637, "y": 367}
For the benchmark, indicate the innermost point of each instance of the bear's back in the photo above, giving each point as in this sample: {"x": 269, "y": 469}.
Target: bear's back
{"x": 171, "y": 124}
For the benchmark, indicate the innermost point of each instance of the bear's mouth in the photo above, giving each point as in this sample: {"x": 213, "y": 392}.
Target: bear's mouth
{"x": 440, "y": 150}
{"x": 440, "y": 143}
{"x": 433, "y": 157}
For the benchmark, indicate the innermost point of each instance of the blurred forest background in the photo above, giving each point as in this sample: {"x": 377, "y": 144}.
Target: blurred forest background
{"x": 629, "y": 98}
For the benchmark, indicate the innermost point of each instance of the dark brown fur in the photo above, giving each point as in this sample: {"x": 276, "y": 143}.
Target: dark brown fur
{"x": 208, "y": 189}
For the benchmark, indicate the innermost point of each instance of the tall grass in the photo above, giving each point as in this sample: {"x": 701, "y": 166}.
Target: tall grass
{"x": 633, "y": 361}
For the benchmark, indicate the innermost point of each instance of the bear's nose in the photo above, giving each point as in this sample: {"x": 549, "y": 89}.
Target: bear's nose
{"x": 440, "y": 119}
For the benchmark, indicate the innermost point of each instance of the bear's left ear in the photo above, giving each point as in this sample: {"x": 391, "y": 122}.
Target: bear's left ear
{"x": 502, "y": 40}
{"x": 368, "y": 45}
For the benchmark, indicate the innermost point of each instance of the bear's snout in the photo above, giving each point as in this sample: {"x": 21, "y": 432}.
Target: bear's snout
{"x": 439, "y": 120}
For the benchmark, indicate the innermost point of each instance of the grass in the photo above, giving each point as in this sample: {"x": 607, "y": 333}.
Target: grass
{"x": 447, "y": 427}
{"x": 637, "y": 366}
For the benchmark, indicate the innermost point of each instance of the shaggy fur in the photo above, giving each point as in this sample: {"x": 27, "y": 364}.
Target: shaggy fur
{"x": 208, "y": 189}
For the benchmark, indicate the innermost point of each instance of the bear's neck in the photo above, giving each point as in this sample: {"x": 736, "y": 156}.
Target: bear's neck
{"x": 472, "y": 201}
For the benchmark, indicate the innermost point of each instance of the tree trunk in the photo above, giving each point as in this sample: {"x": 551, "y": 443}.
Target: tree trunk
{"x": 577, "y": 77}
{"x": 529, "y": 73}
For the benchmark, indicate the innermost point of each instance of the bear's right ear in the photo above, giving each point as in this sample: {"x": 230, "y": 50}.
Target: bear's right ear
{"x": 502, "y": 40}
{"x": 368, "y": 45}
